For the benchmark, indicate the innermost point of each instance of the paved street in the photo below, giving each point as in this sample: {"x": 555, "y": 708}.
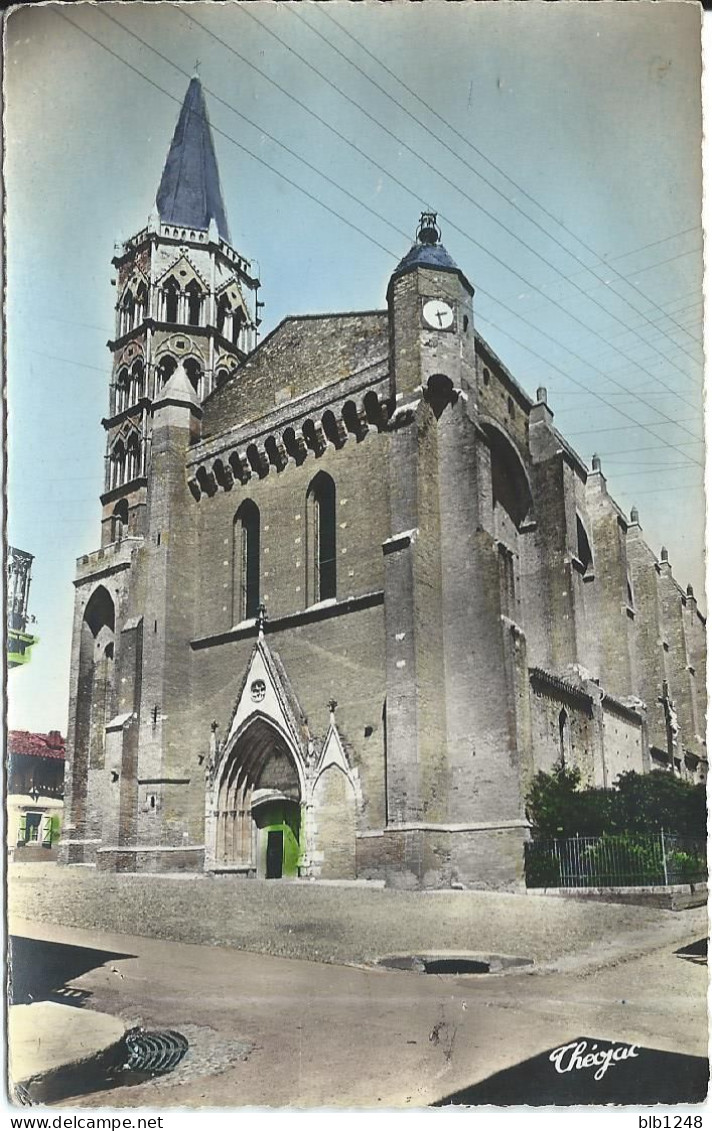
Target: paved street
{"x": 266, "y": 1030}
{"x": 343, "y": 923}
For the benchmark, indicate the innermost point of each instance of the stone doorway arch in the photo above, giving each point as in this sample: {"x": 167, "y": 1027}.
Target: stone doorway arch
{"x": 258, "y": 799}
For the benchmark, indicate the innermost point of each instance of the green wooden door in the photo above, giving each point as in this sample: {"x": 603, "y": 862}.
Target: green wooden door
{"x": 279, "y": 817}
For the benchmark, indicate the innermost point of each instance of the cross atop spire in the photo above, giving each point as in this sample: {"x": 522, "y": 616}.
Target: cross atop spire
{"x": 189, "y": 193}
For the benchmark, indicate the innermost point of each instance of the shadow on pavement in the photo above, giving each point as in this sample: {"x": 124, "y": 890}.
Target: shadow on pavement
{"x": 39, "y": 970}
{"x": 694, "y": 952}
{"x": 562, "y": 1076}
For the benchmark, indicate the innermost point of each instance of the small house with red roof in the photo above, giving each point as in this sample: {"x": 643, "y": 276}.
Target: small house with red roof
{"x": 35, "y": 793}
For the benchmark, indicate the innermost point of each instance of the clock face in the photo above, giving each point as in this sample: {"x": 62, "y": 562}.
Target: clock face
{"x": 438, "y": 314}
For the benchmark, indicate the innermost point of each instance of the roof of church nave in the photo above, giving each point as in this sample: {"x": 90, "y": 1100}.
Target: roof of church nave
{"x": 303, "y": 354}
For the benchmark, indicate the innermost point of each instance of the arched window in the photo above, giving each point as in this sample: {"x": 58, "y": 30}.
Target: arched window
{"x": 564, "y": 738}
{"x": 246, "y": 562}
{"x": 141, "y": 304}
{"x": 223, "y": 311}
{"x": 122, "y": 390}
{"x": 120, "y": 521}
{"x": 96, "y": 680}
{"x": 221, "y": 376}
{"x": 170, "y": 301}
{"x": 165, "y": 369}
{"x": 510, "y": 486}
{"x": 132, "y": 457}
{"x": 136, "y": 381}
{"x": 238, "y": 321}
{"x": 195, "y": 374}
{"x": 583, "y": 547}
{"x": 321, "y": 538}
{"x": 195, "y": 303}
{"x": 99, "y": 613}
{"x": 126, "y": 317}
{"x": 117, "y": 465}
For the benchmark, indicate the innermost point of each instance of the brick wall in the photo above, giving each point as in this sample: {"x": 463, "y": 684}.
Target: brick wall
{"x": 302, "y": 354}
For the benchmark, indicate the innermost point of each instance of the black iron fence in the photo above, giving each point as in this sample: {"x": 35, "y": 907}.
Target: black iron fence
{"x": 621, "y": 860}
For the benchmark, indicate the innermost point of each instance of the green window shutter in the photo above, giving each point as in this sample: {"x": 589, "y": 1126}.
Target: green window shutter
{"x": 22, "y": 829}
{"x": 46, "y": 832}
{"x": 56, "y": 825}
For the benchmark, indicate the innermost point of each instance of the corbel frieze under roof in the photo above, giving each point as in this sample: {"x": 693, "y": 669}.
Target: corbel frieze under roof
{"x": 349, "y": 409}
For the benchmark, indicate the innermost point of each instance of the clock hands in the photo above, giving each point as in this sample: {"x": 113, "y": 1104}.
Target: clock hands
{"x": 438, "y": 314}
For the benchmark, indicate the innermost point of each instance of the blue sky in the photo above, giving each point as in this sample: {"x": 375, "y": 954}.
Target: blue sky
{"x": 560, "y": 144}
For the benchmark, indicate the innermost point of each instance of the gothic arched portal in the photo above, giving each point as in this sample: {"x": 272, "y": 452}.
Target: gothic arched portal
{"x": 258, "y": 826}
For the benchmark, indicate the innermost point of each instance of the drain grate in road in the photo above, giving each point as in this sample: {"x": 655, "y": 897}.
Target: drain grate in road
{"x": 453, "y": 963}
{"x": 456, "y": 966}
{"x": 163, "y": 1058}
{"x": 153, "y": 1053}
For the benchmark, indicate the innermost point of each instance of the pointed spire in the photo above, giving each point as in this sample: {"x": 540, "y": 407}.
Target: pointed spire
{"x": 189, "y": 193}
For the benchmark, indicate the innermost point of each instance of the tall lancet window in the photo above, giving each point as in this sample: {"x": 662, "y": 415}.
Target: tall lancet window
{"x": 136, "y": 381}
{"x": 321, "y": 538}
{"x": 170, "y": 301}
{"x": 126, "y": 315}
{"x": 132, "y": 457}
{"x": 141, "y": 304}
{"x": 564, "y": 739}
{"x": 238, "y": 323}
{"x": 122, "y": 391}
{"x": 246, "y": 562}
{"x": 195, "y": 304}
{"x": 119, "y": 520}
{"x": 222, "y": 313}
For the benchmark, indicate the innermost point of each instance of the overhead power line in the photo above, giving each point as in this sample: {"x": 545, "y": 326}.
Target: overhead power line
{"x": 619, "y": 428}
{"x": 327, "y": 15}
{"x": 650, "y": 267}
{"x": 313, "y": 113}
{"x": 260, "y": 129}
{"x": 657, "y": 490}
{"x": 465, "y": 234}
{"x": 508, "y": 267}
{"x": 222, "y": 133}
{"x": 355, "y": 227}
{"x": 654, "y": 243}
{"x": 293, "y": 11}
{"x": 597, "y": 396}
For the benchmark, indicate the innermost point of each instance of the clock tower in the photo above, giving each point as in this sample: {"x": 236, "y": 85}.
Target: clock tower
{"x": 430, "y": 308}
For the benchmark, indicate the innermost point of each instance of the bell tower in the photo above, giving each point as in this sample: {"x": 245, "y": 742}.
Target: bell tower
{"x": 430, "y": 311}
{"x": 185, "y": 298}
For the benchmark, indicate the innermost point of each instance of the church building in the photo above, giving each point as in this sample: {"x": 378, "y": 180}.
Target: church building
{"x": 353, "y": 589}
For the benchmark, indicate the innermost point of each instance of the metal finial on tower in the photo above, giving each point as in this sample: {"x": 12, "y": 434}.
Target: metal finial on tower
{"x": 196, "y": 69}
{"x": 428, "y": 230}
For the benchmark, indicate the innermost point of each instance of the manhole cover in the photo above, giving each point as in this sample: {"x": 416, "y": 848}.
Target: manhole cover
{"x": 153, "y": 1053}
